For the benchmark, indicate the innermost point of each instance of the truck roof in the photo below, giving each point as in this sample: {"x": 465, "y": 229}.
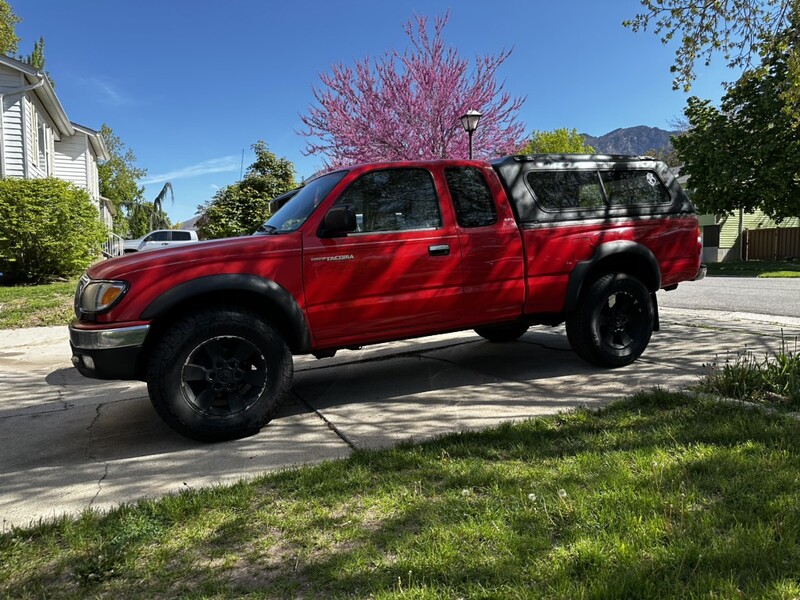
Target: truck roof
{"x": 570, "y": 158}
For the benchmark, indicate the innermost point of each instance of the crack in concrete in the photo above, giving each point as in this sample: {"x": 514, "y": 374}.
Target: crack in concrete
{"x": 99, "y": 486}
{"x": 546, "y": 347}
{"x": 66, "y": 404}
{"x": 341, "y": 434}
{"x": 25, "y": 412}
{"x": 87, "y": 451}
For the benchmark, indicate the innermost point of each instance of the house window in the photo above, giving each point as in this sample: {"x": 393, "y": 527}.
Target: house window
{"x": 41, "y": 144}
{"x": 43, "y": 150}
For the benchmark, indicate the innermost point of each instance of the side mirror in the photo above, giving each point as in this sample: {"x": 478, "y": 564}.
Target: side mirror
{"x": 339, "y": 221}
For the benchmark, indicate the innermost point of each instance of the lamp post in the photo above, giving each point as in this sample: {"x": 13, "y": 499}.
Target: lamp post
{"x": 469, "y": 121}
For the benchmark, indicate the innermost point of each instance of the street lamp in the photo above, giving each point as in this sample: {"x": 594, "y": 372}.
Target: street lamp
{"x": 469, "y": 121}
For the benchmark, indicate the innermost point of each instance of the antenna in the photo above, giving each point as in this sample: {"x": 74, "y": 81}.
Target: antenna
{"x": 241, "y": 166}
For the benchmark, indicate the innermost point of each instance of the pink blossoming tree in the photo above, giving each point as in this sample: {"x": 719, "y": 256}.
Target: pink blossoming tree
{"x": 407, "y": 106}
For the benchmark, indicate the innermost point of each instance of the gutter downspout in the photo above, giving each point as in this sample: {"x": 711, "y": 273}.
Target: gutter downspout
{"x": 23, "y": 89}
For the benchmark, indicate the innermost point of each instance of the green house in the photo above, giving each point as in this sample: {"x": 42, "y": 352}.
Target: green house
{"x": 722, "y": 233}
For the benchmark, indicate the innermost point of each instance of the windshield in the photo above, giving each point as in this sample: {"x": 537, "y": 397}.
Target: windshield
{"x": 299, "y": 208}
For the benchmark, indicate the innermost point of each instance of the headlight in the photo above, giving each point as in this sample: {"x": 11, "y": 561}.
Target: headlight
{"x": 94, "y": 297}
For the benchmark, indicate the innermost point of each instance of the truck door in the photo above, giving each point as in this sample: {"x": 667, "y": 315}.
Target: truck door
{"x": 492, "y": 256}
{"x": 398, "y": 274}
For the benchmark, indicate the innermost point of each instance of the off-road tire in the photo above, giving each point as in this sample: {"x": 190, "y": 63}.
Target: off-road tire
{"x": 219, "y": 374}
{"x": 613, "y": 321}
{"x": 500, "y": 334}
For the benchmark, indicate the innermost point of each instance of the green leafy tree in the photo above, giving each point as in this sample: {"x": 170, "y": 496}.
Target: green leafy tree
{"x": 238, "y": 209}
{"x": 740, "y": 30}
{"x": 36, "y": 58}
{"x": 746, "y": 155}
{"x": 557, "y": 141}
{"x": 666, "y": 154}
{"x": 48, "y": 228}
{"x": 119, "y": 177}
{"x": 143, "y": 217}
{"x": 8, "y": 23}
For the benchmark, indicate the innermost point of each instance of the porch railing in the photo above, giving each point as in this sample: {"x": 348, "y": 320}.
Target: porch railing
{"x": 113, "y": 246}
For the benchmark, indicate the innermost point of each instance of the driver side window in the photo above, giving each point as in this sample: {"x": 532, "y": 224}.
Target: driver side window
{"x": 393, "y": 200}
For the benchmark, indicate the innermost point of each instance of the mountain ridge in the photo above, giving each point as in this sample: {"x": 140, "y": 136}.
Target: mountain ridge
{"x": 630, "y": 140}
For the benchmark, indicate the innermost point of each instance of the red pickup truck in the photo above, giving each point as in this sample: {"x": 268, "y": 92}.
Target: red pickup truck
{"x": 388, "y": 251}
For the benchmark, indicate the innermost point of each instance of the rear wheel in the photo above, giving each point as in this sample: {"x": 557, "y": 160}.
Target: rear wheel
{"x": 219, "y": 374}
{"x": 613, "y": 322}
{"x": 505, "y": 332}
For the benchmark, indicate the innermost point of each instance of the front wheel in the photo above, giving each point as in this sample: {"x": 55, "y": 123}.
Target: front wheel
{"x": 613, "y": 321}
{"x": 219, "y": 374}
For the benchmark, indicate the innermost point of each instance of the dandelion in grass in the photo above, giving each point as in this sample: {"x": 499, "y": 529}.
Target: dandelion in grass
{"x": 562, "y": 493}
{"x": 532, "y": 497}
{"x": 465, "y": 492}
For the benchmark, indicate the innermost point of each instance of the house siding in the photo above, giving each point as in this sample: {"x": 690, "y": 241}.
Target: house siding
{"x": 70, "y": 160}
{"x": 93, "y": 176}
{"x": 34, "y": 169}
{"x": 9, "y": 80}
{"x": 11, "y": 124}
{"x": 13, "y": 153}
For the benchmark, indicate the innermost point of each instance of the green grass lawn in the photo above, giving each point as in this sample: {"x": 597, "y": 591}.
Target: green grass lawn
{"x": 658, "y": 496}
{"x": 755, "y": 268}
{"x": 36, "y": 305}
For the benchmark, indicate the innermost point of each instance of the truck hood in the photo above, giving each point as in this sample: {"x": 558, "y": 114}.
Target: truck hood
{"x": 246, "y": 248}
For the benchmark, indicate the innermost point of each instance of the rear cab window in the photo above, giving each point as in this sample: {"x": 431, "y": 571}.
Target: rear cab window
{"x": 472, "y": 199}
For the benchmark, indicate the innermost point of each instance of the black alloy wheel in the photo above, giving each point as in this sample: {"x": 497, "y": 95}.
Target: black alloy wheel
{"x": 224, "y": 376}
{"x": 219, "y": 374}
{"x": 613, "y": 321}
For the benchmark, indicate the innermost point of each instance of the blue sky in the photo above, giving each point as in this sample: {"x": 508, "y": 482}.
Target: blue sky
{"x": 190, "y": 85}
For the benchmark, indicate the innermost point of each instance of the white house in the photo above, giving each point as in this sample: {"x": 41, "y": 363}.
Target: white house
{"x": 38, "y": 140}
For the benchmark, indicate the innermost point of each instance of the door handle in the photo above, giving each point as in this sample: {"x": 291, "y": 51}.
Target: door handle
{"x": 439, "y": 250}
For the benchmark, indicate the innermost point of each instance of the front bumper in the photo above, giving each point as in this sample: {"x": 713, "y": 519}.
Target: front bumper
{"x": 107, "y": 353}
{"x": 701, "y": 273}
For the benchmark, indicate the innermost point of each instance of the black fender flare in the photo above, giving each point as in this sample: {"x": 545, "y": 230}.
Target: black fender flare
{"x": 620, "y": 248}
{"x": 272, "y": 292}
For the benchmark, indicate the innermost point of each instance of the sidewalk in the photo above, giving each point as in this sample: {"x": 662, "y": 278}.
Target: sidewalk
{"x": 73, "y": 443}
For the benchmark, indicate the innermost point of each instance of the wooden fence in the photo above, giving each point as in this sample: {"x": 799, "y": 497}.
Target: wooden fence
{"x": 772, "y": 244}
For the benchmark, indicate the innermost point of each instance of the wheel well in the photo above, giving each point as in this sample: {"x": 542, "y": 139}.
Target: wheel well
{"x": 641, "y": 265}
{"x": 630, "y": 264}
{"x": 266, "y": 307}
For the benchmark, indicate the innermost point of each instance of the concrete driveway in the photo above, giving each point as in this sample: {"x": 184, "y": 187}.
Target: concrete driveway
{"x": 71, "y": 443}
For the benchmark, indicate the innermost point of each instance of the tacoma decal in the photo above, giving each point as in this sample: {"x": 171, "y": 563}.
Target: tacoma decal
{"x": 332, "y": 258}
